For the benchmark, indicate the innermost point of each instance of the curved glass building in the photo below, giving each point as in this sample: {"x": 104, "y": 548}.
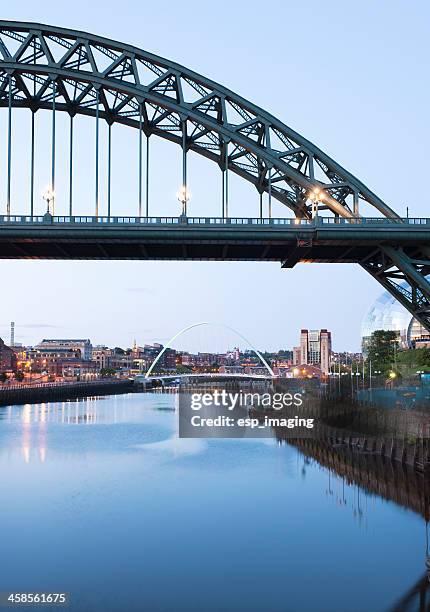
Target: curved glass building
{"x": 386, "y": 313}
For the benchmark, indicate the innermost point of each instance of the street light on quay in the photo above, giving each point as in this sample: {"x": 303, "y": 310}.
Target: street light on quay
{"x": 354, "y": 374}
{"x": 184, "y": 196}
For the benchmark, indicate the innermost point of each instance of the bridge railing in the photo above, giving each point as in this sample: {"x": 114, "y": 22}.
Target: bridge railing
{"x": 203, "y": 221}
{"x": 373, "y": 221}
{"x": 121, "y": 220}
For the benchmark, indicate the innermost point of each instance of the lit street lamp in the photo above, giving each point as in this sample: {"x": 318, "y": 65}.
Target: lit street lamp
{"x": 316, "y": 196}
{"x": 184, "y": 197}
{"x": 48, "y": 196}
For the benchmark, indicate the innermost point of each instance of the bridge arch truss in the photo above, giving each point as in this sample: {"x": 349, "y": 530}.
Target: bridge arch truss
{"x": 45, "y": 67}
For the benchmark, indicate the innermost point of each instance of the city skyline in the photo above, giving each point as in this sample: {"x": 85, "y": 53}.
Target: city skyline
{"x": 152, "y": 300}
{"x": 75, "y": 359}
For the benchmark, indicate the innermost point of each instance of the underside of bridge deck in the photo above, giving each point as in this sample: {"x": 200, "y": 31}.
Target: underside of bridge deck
{"x": 400, "y": 261}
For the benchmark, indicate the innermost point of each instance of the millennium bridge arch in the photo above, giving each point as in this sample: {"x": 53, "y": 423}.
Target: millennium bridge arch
{"x": 63, "y": 70}
{"x": 203, "y": 324}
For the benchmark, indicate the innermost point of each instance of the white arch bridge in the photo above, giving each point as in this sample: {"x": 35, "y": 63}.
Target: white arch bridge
{"x": 143, "y": 381}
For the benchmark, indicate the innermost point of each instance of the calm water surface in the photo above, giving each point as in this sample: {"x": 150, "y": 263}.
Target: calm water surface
{"x": 99, "y": 498}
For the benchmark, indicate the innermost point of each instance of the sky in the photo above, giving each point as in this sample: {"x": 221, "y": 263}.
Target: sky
{"x": 350, "y": 77}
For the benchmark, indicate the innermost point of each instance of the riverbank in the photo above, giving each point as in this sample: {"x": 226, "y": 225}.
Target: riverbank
{"x": 397, "y": 432}
{"x": 46, "y": 392}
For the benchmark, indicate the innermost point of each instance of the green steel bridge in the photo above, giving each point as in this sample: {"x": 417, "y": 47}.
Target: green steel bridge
{"x": 334, "y": 217}
{"x": 288, "y": 241}
{"x": 390, "y": 249}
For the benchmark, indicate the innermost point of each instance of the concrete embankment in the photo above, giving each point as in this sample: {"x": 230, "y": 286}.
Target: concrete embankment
{"x": 49, "y": 392}
{"x": 400, "y": 436}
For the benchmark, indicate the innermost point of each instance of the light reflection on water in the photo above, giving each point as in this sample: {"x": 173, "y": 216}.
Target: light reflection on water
{"x": 104, "y": 501}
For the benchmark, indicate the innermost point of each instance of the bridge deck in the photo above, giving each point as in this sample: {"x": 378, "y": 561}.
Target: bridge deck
{"x": 196, "y": 238}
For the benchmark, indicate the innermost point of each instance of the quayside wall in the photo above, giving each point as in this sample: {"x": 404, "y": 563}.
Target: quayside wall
{"x": 49, "y": 392}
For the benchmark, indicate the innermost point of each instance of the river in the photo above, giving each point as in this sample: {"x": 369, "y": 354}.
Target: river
{"x": 100, "y": 499}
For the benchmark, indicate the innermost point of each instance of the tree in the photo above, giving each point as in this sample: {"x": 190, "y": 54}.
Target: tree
{"x": 382, "y": 351}
{"x": 19, "y": 376}
{"x": 107, "y": 372}
{"x": 183, "y": 369}
{"x": 412, "y": 360}
{"x": 423, "y": 356}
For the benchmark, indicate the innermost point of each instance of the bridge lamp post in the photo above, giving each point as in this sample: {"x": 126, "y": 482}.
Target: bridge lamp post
{"x": 48, "y": 196}
{"x": 315, "y": 196}
{"x": 184, "y": 196}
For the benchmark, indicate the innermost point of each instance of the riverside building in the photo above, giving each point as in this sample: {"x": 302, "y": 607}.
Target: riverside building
{"x": 84, "y": 346}
{"x": 314, "y": 349}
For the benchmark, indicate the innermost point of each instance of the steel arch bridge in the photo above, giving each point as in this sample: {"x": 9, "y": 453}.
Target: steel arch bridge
{"x": 57, "y": 69}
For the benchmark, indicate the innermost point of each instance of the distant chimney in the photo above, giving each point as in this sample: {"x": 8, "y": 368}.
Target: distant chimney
{"x": 12, "y": 333}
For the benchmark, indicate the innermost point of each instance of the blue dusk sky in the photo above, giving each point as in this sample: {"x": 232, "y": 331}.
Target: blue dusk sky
{"x": 352, "y": 77}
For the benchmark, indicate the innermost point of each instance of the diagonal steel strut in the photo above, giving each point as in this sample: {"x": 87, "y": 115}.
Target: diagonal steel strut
{"x": 405, "y": 278}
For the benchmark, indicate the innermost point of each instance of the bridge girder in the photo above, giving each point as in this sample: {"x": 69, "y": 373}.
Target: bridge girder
{"x": 405, "y": 276}
{"x": 395, "y": 252}
{"x": 127, "y": 85}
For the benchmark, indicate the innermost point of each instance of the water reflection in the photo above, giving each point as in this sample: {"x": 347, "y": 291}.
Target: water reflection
{"x": 84, "y": 411}
{"x": 355, "y": 483}
{"x": 415, "y": 599}
{"x": 33, "y": 415}
{"x": 35, "y": 421}
{"x": 174, "y": 519}
{"x": 36, "y": 418}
